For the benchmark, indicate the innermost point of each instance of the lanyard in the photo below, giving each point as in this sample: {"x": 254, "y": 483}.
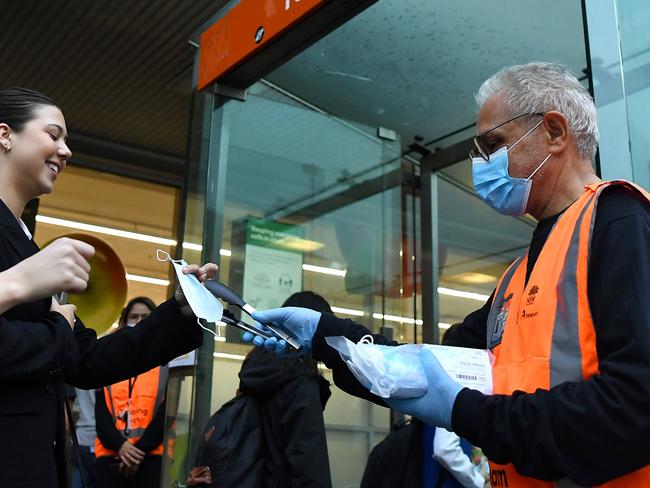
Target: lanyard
{"x": 131, "y": 385}
{"x": 125, "y": 412}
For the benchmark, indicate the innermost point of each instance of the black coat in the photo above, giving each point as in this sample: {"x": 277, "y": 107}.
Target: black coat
{"x": 273, "y": 434}
{"x": 39, "y": 351}
{"x": 396, "y": 460}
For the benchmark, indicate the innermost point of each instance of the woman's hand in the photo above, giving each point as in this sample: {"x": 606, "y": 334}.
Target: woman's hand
{"x": 206, "y": 272}
{"x": 61, "y": 266}
{"x": 67, "y": 311}
{"x": 130, "y": 455}
{"x": 127, "y": 472}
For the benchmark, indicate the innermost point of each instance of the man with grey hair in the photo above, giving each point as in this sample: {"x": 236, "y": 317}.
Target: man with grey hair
{"x": 569, "y": 321}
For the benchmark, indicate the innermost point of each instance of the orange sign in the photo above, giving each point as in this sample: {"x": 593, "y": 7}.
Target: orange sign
{"x": 247, "y": 29}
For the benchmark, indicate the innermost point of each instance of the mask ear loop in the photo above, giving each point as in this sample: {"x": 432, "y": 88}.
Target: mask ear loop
{"x": 163, "y": 256}
{"x": 166, "y": 257}
{"x": 538, "y": 168}
{"x": 367, "y": 339}
{"x": 217, "y": 335}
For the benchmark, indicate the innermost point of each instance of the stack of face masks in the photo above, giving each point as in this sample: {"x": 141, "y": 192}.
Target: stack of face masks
{"x": 396, "y": 372}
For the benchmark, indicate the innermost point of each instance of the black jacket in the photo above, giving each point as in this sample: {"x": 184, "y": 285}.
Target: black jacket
{"x": 589, "y": 431}
{"x": 273, "y": 434}
{"x": 396, "y": 460}
{"x": 38, "y": 351}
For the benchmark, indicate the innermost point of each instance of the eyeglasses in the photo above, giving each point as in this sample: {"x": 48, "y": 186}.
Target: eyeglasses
{"x": 481, "y": 150}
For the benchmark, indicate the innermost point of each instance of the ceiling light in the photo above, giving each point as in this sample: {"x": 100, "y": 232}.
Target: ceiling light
{"x": 225, "y": 355}
{"x": 146, "y": 279}
{"x": 104, "y": 230}
{"x": 395, "y": 318}
{"x": 463, "y": 294}
{"x": 327, "y": 271}
{"x": 71, "y": 224}
{"x": 192, "y": 247}
{"x": 473, "y": 278}
{"x": 294, "y": 243}
{"x": 348, "y": 311}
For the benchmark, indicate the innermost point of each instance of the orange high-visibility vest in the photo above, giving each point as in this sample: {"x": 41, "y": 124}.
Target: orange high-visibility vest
{"x": 542, "y": 332}
{"x": 133, "y": 415}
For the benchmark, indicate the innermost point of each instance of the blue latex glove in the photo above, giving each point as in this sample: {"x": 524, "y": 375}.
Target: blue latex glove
{"x": 299, "y": 323}
{"x": 436, "y": 405}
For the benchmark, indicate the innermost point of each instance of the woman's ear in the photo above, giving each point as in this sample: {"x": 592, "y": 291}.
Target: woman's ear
{"x": 5, "y": 137}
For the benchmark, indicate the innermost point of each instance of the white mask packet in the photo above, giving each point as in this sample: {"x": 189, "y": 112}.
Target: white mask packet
{"x": 396, "y": 371}
{"x": 203, "y": 303}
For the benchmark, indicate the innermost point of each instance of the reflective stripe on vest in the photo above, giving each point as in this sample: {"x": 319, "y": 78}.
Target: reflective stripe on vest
{"x": 541, "y": 331}
{"x": 147, "y": 394}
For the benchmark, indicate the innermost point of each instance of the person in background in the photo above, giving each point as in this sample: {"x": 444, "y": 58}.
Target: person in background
{"x": 272, "y": 434}
{"x": 130, "y": 417}
{"x": 85, "y": 428}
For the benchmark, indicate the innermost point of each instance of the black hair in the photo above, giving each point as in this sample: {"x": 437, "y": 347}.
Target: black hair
{"x": 17, "y": 106}
{"x": 308, "y": 299}
{"x": 147, "y": 302}
{"x": 307, "y": 364}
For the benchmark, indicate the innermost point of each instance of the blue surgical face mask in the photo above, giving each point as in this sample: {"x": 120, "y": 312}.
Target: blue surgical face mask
{"x": 495, "y": 186}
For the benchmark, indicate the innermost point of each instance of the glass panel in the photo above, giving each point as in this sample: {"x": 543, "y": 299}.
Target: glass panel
{"x": 476, "y": 245}
{"x": 177, "y": 427}
{"x": 634, "y": 17}
{"x": 414, "y": 66}
{"x": 348, "y": 452}
{"x": 313, "y": 202}
{"x": 181, "y": 385}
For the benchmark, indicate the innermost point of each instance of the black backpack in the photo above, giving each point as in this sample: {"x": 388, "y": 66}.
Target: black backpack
{"x": 232, "y": 445}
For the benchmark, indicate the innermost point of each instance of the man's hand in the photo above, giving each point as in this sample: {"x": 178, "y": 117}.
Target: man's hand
{"x": 61, "y": 266}
{"x": 130, "y": 455}
{"x": 435, "y": 406}
{"x": 67, "y": 311}
{"x": 300, "y": 323}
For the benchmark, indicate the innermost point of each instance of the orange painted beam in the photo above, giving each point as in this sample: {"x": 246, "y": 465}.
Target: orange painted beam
{"x": 246, "y": 30}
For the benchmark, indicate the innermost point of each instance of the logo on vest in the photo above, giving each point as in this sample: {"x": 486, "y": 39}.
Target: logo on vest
{"x": 532, "y": 294}
{"x": 498, "y": 477}
{"x": 500, "y": 322}
{"x": 530, "y": 315}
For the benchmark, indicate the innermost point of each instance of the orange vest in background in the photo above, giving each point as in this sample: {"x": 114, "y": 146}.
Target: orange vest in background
{"x": 542, "y": 332}
{"x": 132, "y": 416}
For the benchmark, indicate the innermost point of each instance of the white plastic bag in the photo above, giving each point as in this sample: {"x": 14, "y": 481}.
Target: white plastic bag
{"x": 396, "y": 372}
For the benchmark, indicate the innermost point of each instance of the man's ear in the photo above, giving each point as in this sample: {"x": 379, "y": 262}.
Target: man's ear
{"x": 557, "y": 130}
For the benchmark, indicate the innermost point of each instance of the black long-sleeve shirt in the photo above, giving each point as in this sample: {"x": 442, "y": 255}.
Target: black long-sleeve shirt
{"x": 589, "y": 431}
